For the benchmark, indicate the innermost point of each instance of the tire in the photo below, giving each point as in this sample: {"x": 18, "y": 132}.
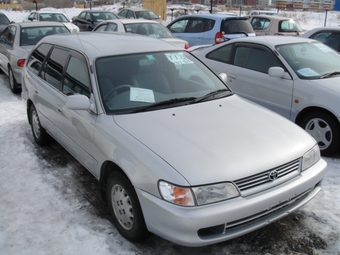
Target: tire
{"x": 125, "y": 209}
{"x": 40, "y": 135}
{"x": 325, "y": 130}
{"x": 12, "y": 82}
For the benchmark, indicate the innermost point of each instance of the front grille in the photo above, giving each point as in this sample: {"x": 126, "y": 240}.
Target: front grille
{"x": 263, "y": 177}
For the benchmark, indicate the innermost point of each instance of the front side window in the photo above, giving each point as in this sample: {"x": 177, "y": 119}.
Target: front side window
{"x": 123, "y": 13}
{"x": 112, "y": 27}
{"x": 101, "y": 28}
{"x": 256, "y": 59}
{"x": 130, "y": 83}
{"x": 76, "y": 80}
{"x": 82, "y": 15}
{"x": 179, "y": 26}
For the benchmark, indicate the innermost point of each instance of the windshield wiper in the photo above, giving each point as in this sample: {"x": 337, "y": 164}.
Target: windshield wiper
{"x": 165, "y": 103}
{"x": 327, "y": 75}
{"x": 211, "y": 95}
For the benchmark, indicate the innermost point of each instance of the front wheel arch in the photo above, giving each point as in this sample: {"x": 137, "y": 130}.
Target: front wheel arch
{"x": 329, "y": 141}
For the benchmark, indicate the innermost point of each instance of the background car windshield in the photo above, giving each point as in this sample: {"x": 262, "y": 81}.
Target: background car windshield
{"x": 101, "y": 16}
{"x": 152, "y": 30}
{"x": 132, "y": 81}
{"x": 310, "y": 60}
{"x": 289, "y": 26}
{"x": 53, "y": 17}
{"x": 32, "y": 35}
{"x": 236, "y": 26}
{"x": 146, "y": 15}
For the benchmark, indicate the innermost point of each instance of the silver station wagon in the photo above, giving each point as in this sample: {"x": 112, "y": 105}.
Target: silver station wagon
{"x": 175, "y": 151}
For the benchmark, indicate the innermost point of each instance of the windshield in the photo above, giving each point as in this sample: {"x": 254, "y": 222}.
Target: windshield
{"x": 152, "y": 30}
{"x": 289, "y": 26}
{"x": 59, "y": 17}
{"x": 146, "y": 15}
{"x": 32, "y": 35}
{"x": 130, "y": 83}
{"x": 310, "y": 60}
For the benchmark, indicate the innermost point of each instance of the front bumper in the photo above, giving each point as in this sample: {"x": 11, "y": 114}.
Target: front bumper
{"x": 209, "y": 224}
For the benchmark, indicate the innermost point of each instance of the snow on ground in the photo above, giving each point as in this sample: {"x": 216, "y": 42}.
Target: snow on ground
{"x": 49, "y": 203}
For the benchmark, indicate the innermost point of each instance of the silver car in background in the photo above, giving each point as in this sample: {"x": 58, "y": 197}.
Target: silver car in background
{"x": 143, "y": 27}
{"x": 16, "y": 41}
{"x": 175, "y": 151}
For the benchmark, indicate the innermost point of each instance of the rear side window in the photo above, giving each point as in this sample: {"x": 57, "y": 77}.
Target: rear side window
{"x": 54, "y": 67}
{"x": 37, "y": 57}
{"x": 222, "y": 54}
{"x": 179, "y": 26}
{"x": 235, "y": 26}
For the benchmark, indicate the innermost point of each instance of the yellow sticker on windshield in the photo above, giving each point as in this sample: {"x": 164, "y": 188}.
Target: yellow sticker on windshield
{"x": 178, "y": 58}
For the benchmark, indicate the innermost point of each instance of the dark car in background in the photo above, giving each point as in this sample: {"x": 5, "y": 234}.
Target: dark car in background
{"x": 200, "y": 29}
{"x": 87, "y": 20}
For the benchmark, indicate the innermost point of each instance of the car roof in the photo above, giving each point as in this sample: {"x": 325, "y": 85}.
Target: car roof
{"x": 271, "y": 40}
{"x": 335, "y": 28}
{"x": 96, "y": 44}
{"x": 214, "y": 16}
{"x": 51, "y": 11}
{"x": 135, "y": 9}
{"x": 133, "y": 21}
{"x": 271, "y": 17}
{"x": 39, "y": 24}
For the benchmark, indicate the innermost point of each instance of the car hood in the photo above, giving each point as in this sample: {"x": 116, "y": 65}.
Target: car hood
{"x": 72, "y": 27}
{"x": 220, "y": 140}
{"x": 328, "y": 83}
{"x": 180, "y": 43}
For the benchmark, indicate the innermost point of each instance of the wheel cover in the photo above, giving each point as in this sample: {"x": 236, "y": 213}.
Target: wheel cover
{"x": 35, "y": 124}
{"x": 321, "y": 131}
{"x": 122, "y": 207}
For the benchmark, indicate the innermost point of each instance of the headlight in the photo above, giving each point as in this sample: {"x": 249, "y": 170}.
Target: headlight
{"x": 310, "y": 158}
{"x": 200, "y": 195}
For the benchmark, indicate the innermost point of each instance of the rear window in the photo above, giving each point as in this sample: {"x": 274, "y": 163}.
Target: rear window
{"x": 236, "y": 26}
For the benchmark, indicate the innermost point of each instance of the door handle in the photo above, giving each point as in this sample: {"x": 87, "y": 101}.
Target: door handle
{"x": 233, "y": 76}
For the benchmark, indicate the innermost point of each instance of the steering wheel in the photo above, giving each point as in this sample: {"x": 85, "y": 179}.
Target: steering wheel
{"x": 114, "y": 92}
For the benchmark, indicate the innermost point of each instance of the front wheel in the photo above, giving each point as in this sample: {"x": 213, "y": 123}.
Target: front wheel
{"x": 325, "y": 130}
{"x": 40, "y": 135}
{"x": 12, "y": 82}
{"x": 125, "y": 208}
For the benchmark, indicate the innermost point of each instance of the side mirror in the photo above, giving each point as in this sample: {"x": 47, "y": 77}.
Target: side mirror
{"x": 276, "y": 71}
{"x": 224, "y": 77}
{"x": 78, "y": 102}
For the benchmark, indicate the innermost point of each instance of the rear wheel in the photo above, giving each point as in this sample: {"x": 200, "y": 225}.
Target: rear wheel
{"x": 39, "y": 133}
{"x": 325, "y": 130}
{"x": 12, "y": 82}
{"x": 125, "y": 208}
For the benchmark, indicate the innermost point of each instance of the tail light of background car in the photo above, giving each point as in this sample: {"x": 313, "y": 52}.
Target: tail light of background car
{"x": 21, "y": 62}
{"x": 219, "y": 38}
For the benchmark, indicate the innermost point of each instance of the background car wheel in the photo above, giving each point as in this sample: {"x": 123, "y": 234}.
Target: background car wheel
{"x": 12, "y": 82}
{"x": 125, "y": 208}
{"x": 325, "y": 130}
{"x": 39, "y": 133}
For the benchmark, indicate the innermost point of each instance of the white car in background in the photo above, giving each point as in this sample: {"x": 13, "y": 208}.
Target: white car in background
{"x": 143, "y": 27}
{"x": 52, "y": 16}
{"x": 296, "y": 77}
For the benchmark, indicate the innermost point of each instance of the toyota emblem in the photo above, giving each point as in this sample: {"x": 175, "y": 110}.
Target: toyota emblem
{"x": 273, "y": 175}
